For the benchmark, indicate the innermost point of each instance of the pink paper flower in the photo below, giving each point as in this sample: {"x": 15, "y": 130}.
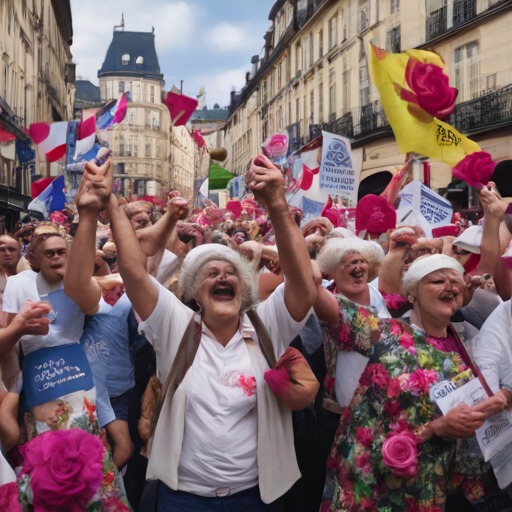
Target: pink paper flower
{"x": 9, "y": 501}
{"x": 421, "y": 380}
{"x": 364, "y": 436}
{"x": 475, "y": 169}
{"x": 58, "y": 218}
{"x": 113, "y": 505}
{"x": 396, "y": 328}
{"x": 400, "y": 453}
{"x": 431, "y": 87}
{"x": 65, "y": 469}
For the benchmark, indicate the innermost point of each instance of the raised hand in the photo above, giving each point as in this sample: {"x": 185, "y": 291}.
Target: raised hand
{"x": 491, "y": 201}
{"x": 95, "y": 188}
{"x": 178, "y": 208}
{"x": 266, "y": 182}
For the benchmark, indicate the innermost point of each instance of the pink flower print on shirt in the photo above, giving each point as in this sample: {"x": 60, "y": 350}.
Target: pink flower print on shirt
{"x": 236, "y": 378}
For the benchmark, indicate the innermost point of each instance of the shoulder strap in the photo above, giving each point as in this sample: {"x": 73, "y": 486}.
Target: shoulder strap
{"x": 264, "y": 339}
{"x": 182, "y": 362}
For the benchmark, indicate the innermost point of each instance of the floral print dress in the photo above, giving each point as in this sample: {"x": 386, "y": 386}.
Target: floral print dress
{"x": 376, "y": 462}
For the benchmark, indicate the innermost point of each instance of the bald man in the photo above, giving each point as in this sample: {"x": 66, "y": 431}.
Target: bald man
{"x": 10, "y": 256}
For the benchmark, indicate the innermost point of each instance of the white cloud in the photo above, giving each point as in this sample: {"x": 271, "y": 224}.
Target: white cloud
{"x": 94, "y": 20}
{"x": 218, "y": 87}
{"x": 227, "y": 37}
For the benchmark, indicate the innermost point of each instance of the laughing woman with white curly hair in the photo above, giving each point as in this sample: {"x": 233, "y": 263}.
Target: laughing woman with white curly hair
{"x": 225, "y": 441}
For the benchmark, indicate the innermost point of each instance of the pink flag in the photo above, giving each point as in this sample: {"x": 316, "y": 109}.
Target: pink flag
{"x": 181, "y": 107}
{"x": 121, "y": 109}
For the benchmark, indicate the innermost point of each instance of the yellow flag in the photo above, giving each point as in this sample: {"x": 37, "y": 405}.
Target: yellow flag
{"x": 415, "y": 129}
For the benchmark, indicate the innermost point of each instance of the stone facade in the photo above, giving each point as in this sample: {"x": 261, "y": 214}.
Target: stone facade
{"x": 314, "y": 75}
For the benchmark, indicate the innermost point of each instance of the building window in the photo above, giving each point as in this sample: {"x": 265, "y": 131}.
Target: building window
{"x": 279, "y": 75}
{"x": 121, "y": 87}
{"x": 333, "y": 32}
{"x": 332, "y": 94}
{"x": 312, "y": 105}
{"x": 136, "y": 145}
{"x": 364, "y": 86}
{"x": 297, "y": 110}
{"x": 467, "y": 71}
{"x": 311, "y": 49}
{"x": 363, "y": 19}
{"x": 346, "y": 91}
{"x": 157, "y": 149}
{"x": 147, "y": 118}
{"x": 109, "y": 90}
{"x": 491, "y": 82}
{"x": 395, "y": 6}
{"x": 152, "y": 94}
{"x": 139, "y": 60}
{"x": 320, "y": 44}
{"x": 321, "y": 103}
{"x": 121, "y": 147}
{"x": 125, "y": 59}
{"x": 133, "y": 116}
{"x": 120, "y": 168}
{"x": 158, "y": 171}
{"x": 393, "y": 40}
{"x": 298, "y": 58}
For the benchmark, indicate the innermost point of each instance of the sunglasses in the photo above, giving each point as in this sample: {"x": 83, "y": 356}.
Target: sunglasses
{"x": 50, "y": 253}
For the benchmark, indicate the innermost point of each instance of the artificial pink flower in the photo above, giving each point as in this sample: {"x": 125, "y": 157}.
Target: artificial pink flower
{"x": 9, "y": 498}
{"x": 58, "y": 218}
{"x": 364, "y": 436}
{"x": 65, "y": 469}
{"x": 396, "y": 329}
{"x": 392, "y": 408}
{"x": 421, "y": 380}
{"x": 380, "y": 376}
{"x": 400, "y": 453}
{"x": 248, "y": 384}
{"x": 363, "y": 312}
{"x": 475, "y": 169}
{"x": 431, "y": 87}
{"x": 113, "y": 505}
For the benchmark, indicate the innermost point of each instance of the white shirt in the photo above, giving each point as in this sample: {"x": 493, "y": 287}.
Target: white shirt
{"x": 219, "y": 452}
{"x": 69, "y": 320}
{"x": 350, "y": 365}
{"x": 492, "y": 347}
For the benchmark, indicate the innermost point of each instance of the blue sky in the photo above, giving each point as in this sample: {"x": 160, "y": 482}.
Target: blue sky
{"x": 203, "y": 42}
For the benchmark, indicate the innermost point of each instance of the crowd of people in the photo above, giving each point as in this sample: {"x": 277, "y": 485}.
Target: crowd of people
{"x": 156, "y": 357}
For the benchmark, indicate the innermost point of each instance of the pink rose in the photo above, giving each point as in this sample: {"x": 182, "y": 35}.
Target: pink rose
{"x": 432, "y": 91}
{"x": 421, "y": 380}
{"x": 58, "y": 218}
{"x": 380, "y": 376}
{"x": 364, "y": 436}
{"x": 475, "y": 169}
{"x": 396, "y": 328}
{"x": 400, "y": 453}
{"x": 393, "y": 389}
{"x": 9, "y": 501}
{"x": 113, "y": 505}
{"x": 65, "y": 469}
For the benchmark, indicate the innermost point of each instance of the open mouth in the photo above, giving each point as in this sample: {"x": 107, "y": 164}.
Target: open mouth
{"x": 357, "y": 274}
{"x": 57, "y": 266}
{"x": 224, "y": 293}
{"x": 449, "y": 298}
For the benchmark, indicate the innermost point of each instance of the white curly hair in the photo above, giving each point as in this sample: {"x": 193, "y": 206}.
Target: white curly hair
{"x": 188, "y": 279}
{"x": 335, "y": 249}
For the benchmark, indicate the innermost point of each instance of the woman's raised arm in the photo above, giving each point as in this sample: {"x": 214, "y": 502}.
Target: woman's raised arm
{"x": 266, "y": 181}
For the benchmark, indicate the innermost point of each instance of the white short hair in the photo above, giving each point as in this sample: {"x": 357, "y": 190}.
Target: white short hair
{"x": 373, "y": 252}
{"x": 198, "y": 258}
{"x": 425, "y": 265}
{"x": 341, "y": 233}
{"x": 335, "y": 249}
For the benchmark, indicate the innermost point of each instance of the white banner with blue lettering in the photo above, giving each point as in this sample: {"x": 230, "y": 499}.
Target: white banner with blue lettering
{"x": 421, "y": 206}
{"x": 337, "y": 171}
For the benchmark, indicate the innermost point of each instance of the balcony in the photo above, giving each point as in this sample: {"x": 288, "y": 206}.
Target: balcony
{"x": 485, "y": 112}
{"x": 440, "y": 21}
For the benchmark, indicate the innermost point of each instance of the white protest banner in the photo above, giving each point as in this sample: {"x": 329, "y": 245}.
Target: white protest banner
{"x": 337, "y": 171}
{"x": 422, "y": 206}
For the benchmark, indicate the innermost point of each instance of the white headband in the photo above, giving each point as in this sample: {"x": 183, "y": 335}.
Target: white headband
{"x": 425, "y": 265}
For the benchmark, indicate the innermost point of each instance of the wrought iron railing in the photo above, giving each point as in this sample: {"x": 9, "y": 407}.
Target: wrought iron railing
{"x": 488, "y": 110}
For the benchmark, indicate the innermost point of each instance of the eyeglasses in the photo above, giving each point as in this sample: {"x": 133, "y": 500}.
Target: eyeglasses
{"x": 50, "y": 253}
{"x": 355, "y": 263}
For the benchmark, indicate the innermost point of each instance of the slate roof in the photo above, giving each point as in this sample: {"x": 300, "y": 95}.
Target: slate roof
{"x": 87, "y": 91}
{"x": 215, "y": 114}
{"x": 134, "y": 44}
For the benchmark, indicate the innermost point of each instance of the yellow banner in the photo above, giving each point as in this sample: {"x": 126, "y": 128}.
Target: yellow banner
{"x": 415, "y": 130}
